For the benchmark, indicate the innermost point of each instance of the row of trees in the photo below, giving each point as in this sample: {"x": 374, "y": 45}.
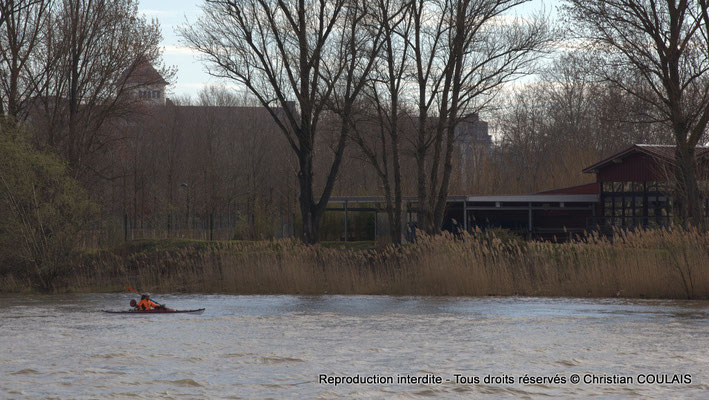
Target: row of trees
{"x": 381, "y": 66}
{"x": 427, "y": 61}
{"x": 658, "y": 52}
{"x": 64, "y": 69}
{"x": 66, "y": 65}
{"x": 42, "y": 211}
{"x": 216, "y": 156}
{"x": 566, "y": 121}
{"x": 365, "y": 94}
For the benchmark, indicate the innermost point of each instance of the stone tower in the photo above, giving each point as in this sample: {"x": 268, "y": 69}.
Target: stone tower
{"x": 145, "y": 83}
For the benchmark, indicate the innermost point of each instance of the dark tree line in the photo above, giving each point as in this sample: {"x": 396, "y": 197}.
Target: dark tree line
{"x": 352, "y": 97}
{"x": 440, "y": 59}
{"x": 658, "y": 52}
{"x": 435, "y": 61}
{"x": 565, "y": 121}
{"x": 63, "y": 65}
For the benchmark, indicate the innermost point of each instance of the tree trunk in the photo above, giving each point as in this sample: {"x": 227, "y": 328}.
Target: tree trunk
{"x": 308, "y": 209}
{"x": 12, "y": 95}
{"x": 396, "y": 229}
{"x": 421, "y": 214}
{"x": 689, "y": 196}
{"x": 390, "y": 208}
{"x": 393, "y": 206}
{"x": 430, "y": 226}
{"x": 394, "y": 133}
{"x": 455, "y": 79}
{"x": 442, "y": 201}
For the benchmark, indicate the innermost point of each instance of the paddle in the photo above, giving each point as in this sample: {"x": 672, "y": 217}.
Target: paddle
{"x": 131, "y": 289}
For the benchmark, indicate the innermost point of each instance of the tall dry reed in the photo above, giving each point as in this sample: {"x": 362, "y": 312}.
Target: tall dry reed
{"x": 662, "y": 263}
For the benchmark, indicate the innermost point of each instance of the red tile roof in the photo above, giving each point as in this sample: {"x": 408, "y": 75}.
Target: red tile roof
{"x": 142, "y": 72}
{"x": 660, "y": 151}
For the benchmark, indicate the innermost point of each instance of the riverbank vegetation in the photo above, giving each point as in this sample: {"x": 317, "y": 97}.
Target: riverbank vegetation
{"x": 42, "y": 212}
{"x": 644, "y": 264}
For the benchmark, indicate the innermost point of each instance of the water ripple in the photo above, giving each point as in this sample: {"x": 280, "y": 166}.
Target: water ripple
{"x": 26, "y": 371}
{"x": 181, "y": 382}
{"x": 278, "y": 346}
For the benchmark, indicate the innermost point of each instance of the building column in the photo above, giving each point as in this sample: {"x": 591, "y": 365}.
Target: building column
{"x": 465, "y": 215}
{"x": 345, "y": 220}
{"x": 530, "y": 227}
{"x": 646, "y": 216}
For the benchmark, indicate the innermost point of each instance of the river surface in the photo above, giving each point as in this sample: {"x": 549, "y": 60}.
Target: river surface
{"x": 299, "y": 347}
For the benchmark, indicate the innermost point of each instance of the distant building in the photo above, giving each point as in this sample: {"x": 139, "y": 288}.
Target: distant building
{"x": 636, "y": 185}
{"x": 145, "y": 83}
{"x": 633, "y": 188}
{"x": 473, "y": 141}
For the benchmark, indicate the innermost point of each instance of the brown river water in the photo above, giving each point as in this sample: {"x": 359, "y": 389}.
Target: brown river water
{"x": 333, "y": 347}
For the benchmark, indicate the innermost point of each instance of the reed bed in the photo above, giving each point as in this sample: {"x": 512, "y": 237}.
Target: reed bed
{"x": 662, "y": 263}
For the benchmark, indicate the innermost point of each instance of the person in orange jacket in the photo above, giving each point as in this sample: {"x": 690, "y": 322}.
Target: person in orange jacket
{"x": 147, "y": 304}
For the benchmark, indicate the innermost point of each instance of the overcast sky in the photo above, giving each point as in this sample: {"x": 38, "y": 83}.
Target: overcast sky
{"x": 191, "y": 75}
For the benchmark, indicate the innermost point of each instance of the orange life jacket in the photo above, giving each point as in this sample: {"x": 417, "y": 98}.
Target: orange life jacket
{"x": 147, "y": 304}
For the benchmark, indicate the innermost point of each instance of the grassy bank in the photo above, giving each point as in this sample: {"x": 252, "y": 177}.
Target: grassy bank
{"x": 652, "y": 264}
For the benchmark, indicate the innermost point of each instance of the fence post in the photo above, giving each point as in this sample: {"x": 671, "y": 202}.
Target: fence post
{"x": 345, "y": 220}
{"x": 211, "y": 226}
{"x": 125, "y": 227}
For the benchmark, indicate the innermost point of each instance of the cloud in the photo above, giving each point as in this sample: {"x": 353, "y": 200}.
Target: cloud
{"x": 157, "y": 12}
{"x": 193, "y": 88}
{"x": 200, "y": 85}
{"x": 190, "y": 85}
{"x": 179, "y": 50}
{"x": 511, "y": 20}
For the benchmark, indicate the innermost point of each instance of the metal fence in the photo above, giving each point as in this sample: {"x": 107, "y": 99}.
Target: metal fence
{"x": 117, "y": 229}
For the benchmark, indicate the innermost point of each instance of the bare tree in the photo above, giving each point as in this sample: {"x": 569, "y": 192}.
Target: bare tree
{"x": 464, "y": 51}
{"x": 554, "y": 127}
{"x": 22, "y": 24}
{"x": 658, "y": 51}
{"x": 377, "y": 129}
{"x": 93, "y": 49}
{"x": 306, "y": 51}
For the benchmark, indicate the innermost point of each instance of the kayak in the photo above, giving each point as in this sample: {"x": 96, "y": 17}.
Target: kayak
{"x": 157, "y": 311}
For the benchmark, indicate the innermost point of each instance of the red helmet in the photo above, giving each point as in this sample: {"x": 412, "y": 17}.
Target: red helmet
{"x": 133, "y": 302}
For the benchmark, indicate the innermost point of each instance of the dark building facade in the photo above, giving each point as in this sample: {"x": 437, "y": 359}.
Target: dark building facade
{"x": 535, "y": 216}
{"x": 636, "y": 185}
{"x": 633, "y": 188}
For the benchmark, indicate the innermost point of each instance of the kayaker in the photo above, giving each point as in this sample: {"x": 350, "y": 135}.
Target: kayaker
{"x": 146, "y": 303}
